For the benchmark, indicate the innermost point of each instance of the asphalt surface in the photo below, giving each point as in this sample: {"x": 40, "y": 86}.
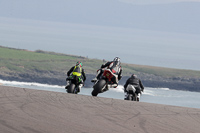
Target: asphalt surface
{"x": 34, "y": 111}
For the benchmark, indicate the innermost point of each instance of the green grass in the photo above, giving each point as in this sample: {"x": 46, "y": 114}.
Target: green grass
{"x": 16, "y": 60}
{"x": 161, "y": 71}
{"x": 22, "y": 60}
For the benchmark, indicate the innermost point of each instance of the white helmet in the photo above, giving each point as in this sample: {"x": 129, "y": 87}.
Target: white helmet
{"x": 116, "y": 59}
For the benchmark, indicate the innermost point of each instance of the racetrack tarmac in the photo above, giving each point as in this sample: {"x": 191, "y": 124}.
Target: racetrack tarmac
{"x": 35, "y": 111}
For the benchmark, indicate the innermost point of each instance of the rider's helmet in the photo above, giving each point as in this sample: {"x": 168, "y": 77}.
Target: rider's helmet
{"x": 134, "y": 76}
{"x": 79, "y": 64}
{"x": 117, "y": 60}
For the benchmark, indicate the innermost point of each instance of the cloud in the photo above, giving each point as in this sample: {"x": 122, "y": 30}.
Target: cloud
{"x": 147, "y": 2}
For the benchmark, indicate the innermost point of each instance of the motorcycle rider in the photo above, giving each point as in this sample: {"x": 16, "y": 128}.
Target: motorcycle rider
{"x": 77, "y": 72}
{"x": 136, "y": 82}
{"x": 114, "y": 65}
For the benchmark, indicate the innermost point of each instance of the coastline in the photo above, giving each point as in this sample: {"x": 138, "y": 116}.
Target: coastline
{"x": 43, "y": 70}
{"x": 28, "y": 110}
{"x": 189, "y": 84}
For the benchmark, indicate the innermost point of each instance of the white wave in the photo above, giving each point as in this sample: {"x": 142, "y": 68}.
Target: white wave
{"x": 5, "y": 82}
{"x": 119, "y": 88}
{"x": 150, "y": 93}
{"x": 147, "y": 91}
{"x": 166, "y": 89}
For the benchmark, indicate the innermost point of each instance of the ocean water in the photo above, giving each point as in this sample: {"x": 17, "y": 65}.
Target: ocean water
{"x": 164, "y": 96}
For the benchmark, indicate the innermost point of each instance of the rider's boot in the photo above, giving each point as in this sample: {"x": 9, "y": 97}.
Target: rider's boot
{"x": 125, "y": 95}
{"x": 138, "y": 97}
{"x": 114, "y": 85}
{"x": 79, "y": 88}
{"x": 94, "y": 80}
{"x": 67, "y": 84}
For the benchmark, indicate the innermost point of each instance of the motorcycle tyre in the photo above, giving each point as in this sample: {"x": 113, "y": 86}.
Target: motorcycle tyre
{"x": 98, "y": 87}
{"x": 131, "y": 97}
{"x": 71, "y": 88}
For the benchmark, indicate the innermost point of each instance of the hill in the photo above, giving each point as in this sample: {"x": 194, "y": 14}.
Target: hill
{"x": 51, "y": 68}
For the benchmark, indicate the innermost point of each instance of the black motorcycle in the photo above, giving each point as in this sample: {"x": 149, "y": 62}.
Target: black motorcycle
{"x": 74, "y": 82}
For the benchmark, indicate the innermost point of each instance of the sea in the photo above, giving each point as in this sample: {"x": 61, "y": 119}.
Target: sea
{"x": 163, "y": 96}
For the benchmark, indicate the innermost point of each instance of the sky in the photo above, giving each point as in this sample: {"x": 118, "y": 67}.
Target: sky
{"x": 166, "y": 35}
{"x": 146, "y": 2}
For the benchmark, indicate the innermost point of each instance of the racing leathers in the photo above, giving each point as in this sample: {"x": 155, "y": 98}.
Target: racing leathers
{"x": 136, "y": 82}
{"x": 114, "y": 66}
{"x": 78, "y": 73}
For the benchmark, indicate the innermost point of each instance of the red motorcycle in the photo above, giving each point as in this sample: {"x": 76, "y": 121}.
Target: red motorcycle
{"x": 107, "y": 80}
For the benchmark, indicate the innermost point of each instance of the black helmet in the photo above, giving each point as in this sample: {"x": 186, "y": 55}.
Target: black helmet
{"x": 79, "y": 64}
{"x": 134, "y": 76}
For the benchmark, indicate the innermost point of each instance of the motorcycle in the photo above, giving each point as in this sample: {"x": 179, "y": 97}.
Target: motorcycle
{"x": 131, "y": 95}
{"x": 74, "y": 83}
{"x": 106, "y": 81}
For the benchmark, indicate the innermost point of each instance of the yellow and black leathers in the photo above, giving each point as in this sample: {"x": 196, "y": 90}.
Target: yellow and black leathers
{"x": 77, "y": 71}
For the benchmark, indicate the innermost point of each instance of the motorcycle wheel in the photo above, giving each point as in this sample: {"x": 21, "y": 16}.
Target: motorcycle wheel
{"x": 131, "y": 97}
{"x": 71, "y": 88}
{"x": 98, "y": 86}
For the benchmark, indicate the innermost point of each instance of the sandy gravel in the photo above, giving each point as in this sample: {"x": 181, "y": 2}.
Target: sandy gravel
{"x": 34, "y": 111}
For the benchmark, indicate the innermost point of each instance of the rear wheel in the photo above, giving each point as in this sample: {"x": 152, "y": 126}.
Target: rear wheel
{"x": 134, "y": 97}
{"x": 98, "y": 87}
{"x": 71, "y": 88}
{"x": 131, "y": 97}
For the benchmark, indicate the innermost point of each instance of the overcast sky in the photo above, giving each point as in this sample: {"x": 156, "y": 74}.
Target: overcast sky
{"x": 156, "y": 1}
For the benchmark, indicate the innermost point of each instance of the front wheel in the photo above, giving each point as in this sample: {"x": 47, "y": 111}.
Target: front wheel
{"x": 98, "y": 87}
{"x": 71, "y": 88}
